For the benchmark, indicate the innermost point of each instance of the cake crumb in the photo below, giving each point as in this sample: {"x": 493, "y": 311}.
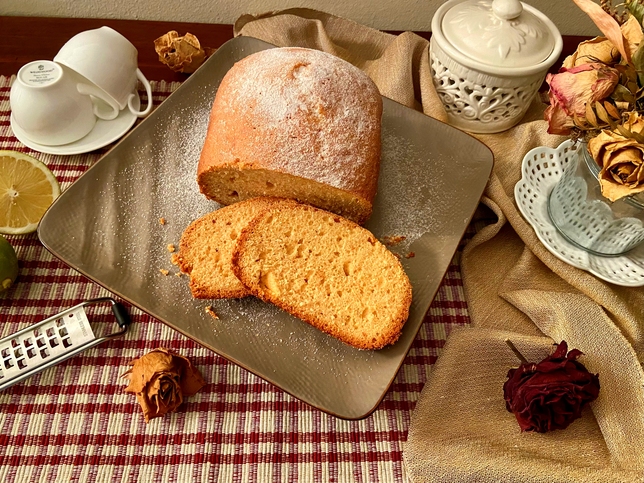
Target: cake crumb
{"x": 393, "y": 240}
{"x": 171, "y": 248}
{"x": 174, "y": 259}
{"x": 162, "y": 221}
{"x": 410, "y": 255}
{"x": 210, "y": 311}
{"x": 164, "y": 271}
{"x": 178, "y": 274}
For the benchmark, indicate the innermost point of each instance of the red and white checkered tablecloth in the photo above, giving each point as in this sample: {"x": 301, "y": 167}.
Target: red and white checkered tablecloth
{"x": 73, "y": 422}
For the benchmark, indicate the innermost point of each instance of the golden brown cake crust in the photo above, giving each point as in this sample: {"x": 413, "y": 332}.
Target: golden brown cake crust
{"x": 300, "y": 112}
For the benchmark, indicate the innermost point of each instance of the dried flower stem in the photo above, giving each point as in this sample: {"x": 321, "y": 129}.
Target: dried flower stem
{"x": 516, "y": 351}
{"x": 620, "y": 17}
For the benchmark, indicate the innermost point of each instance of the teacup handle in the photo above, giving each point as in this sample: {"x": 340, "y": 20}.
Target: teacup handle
{"x": 148, "y": 91}
{"x": 91, "y": 90}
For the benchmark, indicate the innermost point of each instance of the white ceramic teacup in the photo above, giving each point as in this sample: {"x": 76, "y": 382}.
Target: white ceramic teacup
{"x": 109, "y": 63}
{"x": 47, "y": 105}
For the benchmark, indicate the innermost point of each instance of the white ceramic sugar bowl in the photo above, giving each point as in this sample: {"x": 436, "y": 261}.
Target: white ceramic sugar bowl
{"x": 488, "y": 60}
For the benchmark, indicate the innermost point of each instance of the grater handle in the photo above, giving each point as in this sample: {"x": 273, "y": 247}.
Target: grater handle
{"x": 121, "y": 314}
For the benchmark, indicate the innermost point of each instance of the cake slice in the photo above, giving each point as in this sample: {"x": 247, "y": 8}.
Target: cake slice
{"x": 206, "y": 248}
{"x": 326, "y": 270}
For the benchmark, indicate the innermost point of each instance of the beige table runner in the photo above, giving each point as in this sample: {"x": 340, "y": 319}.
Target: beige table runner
{"x": 515, "y": 288}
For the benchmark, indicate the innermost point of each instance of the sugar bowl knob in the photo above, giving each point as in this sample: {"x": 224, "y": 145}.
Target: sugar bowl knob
{"x": 507, "y": 9}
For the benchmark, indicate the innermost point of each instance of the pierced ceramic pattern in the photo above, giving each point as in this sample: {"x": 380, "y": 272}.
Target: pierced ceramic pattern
{"x": 541, "y": 169}
{"x": 489, "y": 58}
{"x": 476, "y": 102}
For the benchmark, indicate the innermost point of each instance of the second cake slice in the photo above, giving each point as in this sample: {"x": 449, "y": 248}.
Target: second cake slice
{"x": 326, "y": 270}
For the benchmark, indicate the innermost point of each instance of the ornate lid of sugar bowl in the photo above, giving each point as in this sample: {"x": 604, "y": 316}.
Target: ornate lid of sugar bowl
{"x": 497, "y": 35}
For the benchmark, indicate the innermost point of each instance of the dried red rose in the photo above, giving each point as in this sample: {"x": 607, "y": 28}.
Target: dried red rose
{"x": 551, "y": 394}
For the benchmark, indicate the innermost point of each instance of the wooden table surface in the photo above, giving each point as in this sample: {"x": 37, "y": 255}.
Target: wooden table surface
{"x": 36, "y": 38}
{"x": 26, "y": 39}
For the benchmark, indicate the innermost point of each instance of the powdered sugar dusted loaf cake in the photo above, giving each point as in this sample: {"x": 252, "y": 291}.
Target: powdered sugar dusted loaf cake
{"x": 294, "y": 123}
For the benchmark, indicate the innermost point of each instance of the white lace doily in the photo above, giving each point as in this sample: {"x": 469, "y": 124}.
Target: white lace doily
{"x": 541, "y": 169}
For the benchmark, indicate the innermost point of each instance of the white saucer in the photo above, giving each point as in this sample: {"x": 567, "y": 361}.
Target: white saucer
{"x": 104, "y": 133}
{"x": 541, "y": 169}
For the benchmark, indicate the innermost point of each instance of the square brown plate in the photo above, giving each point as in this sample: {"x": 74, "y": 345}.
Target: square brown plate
{"x": 106, "y": 226}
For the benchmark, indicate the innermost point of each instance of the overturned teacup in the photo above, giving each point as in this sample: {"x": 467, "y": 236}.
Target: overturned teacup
{"x": 109, "y": 64}
{"x": 48, "y": 106}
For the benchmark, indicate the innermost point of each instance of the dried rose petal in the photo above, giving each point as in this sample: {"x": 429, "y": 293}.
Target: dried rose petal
{"x": 551, "y": 394}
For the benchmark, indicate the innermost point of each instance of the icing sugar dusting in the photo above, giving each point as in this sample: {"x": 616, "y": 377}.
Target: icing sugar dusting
{"x": 302, "y": 111}
{"x": 405, "y": 205}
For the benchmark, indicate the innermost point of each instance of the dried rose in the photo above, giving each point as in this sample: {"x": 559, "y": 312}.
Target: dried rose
{"x": 607, "y": 25}
{"x": 181, "y": 54}
{"x": 621, "y": 159}
{"x": 570, "y": 91}
{"x": 160, "y": 379}
{"x": 599, "y": 49}
{"x": 602, "y": 50}
{"x": 551, "y": 394}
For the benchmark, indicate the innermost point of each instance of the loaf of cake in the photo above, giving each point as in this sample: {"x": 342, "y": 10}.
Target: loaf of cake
{"x": 326, "y": 270}
{"x": 206, "y": 248}
{"x": 294, "y": 123}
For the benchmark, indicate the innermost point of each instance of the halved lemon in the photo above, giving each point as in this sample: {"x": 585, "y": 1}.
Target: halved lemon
{"x": 27, "y": 189}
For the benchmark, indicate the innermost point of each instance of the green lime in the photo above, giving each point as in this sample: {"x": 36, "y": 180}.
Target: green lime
{"x": 8, "y": 264}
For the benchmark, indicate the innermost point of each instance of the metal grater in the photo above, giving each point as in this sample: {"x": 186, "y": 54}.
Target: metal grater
{"x": 53, "y": 340}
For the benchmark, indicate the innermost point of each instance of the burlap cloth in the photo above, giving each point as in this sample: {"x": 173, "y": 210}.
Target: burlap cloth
{"x": 460, "y": 429}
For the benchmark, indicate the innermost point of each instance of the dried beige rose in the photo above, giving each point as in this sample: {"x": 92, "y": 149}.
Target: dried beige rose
{"x": 621, "y": 160}
{"x": 626, "y": 37}
{"x": 607, "y": 25}
{"x": 599, "y": 49}
{"x": 181, "y": 53}
{"x": 160, "y": 380}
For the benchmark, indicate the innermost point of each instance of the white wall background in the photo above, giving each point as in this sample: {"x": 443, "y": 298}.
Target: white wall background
{"x": 380, "y": 14}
